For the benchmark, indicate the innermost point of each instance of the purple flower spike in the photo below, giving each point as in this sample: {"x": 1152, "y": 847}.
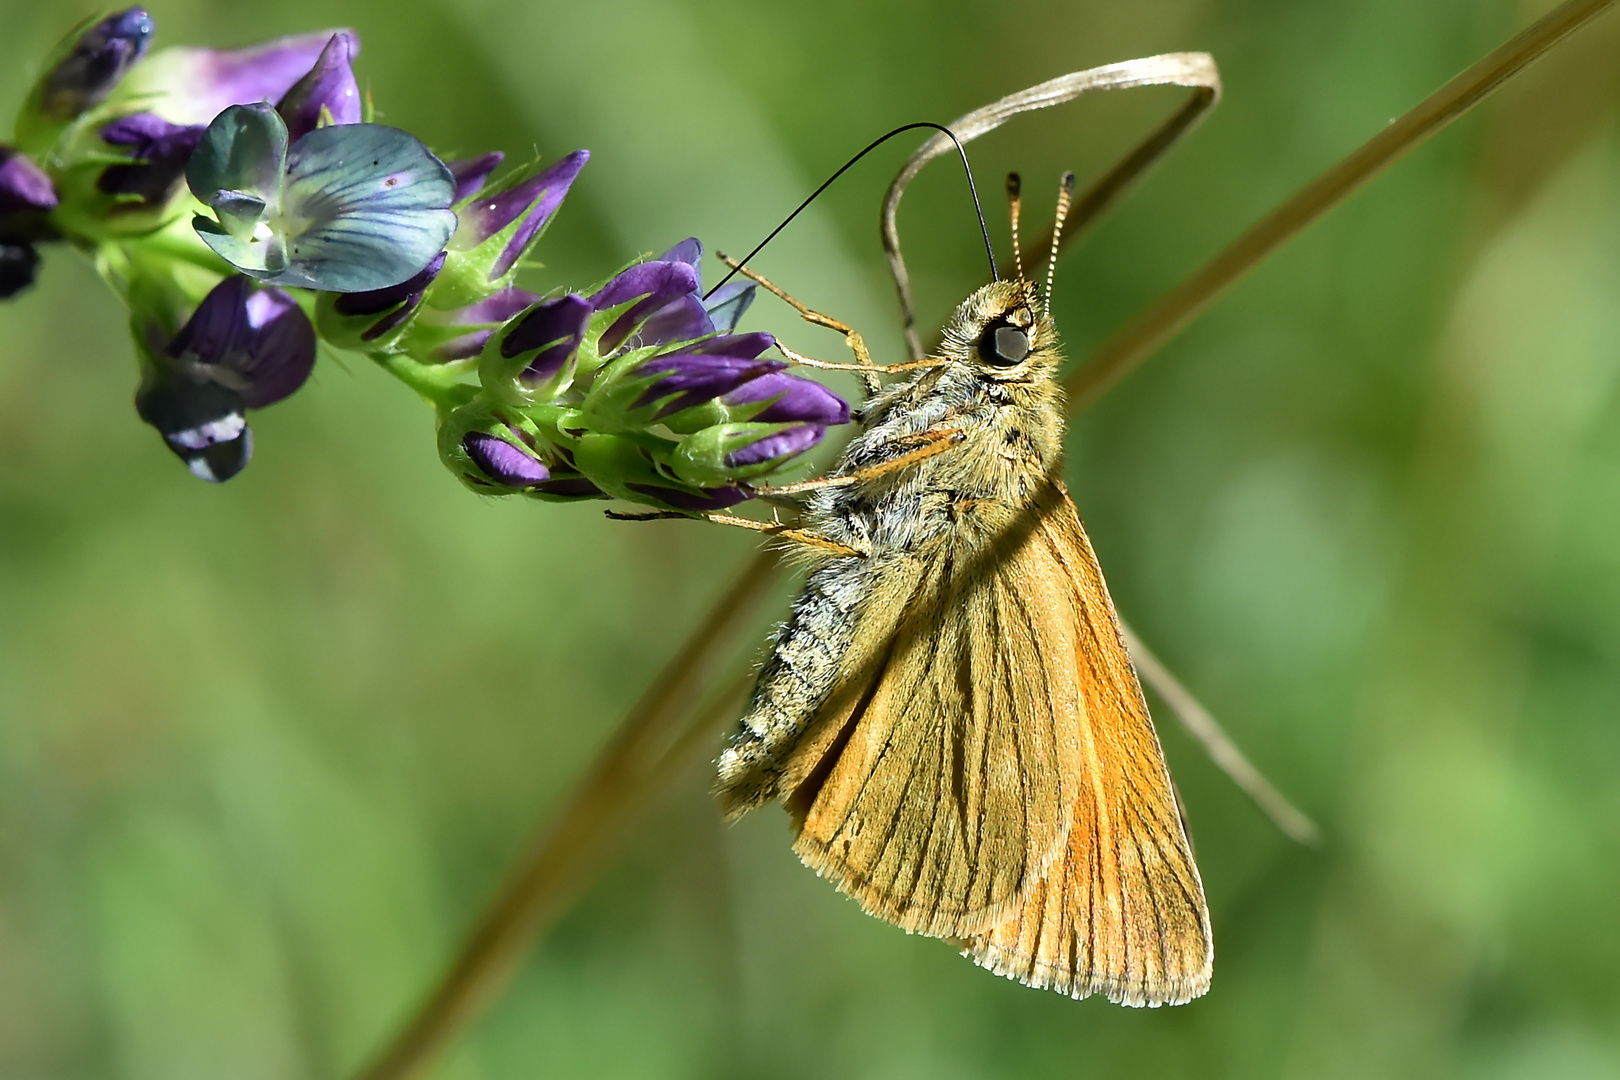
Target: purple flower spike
{"x": 723, "y": 366}
{"x": 470, "y": 173}
{"x": 796, "y": 400}
{"x": 96, "y": 63}
{"x": 329, "y": 86}
{"x": 24, "y": 187}
{"x": 531, "y": 203}
{"x": 555, "y": 327}
{"x": 780, "y": 446}
{"x": 503, "y": 462}
{"x": 656, "y": 284}
{"x": 193, "y": 85}
{"x": 160, "y": 151}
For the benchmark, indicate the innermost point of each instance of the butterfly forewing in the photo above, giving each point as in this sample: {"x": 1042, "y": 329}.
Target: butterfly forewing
{"x": 1121, "y": 912}
{"x": 944, "y": 781}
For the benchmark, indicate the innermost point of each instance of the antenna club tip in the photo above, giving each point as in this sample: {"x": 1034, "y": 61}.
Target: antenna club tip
{"x": 1067, "y": 183}
{"x": 1014, "y": 184}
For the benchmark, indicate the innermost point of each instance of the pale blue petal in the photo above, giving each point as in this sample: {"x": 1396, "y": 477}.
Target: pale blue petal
{"x": 259, "y": 255}
{"x": 237, "y": 167}
{"x": 366, "y": 207}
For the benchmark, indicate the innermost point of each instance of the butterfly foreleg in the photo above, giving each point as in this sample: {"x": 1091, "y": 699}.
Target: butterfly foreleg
{"x": 863, "y": 366}
{"x": 934, "y": 442}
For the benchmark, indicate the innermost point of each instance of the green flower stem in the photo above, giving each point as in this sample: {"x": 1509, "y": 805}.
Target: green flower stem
{"x": 442, "y": 385}
{"x": 551, "y": 871}
{"x": 177, "y": 241}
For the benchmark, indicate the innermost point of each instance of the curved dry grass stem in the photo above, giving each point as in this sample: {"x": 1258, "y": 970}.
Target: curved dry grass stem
{"x": 1161, "y": 322}
{"x": 1289, "y": 819}
{"x": 659, "y": 735}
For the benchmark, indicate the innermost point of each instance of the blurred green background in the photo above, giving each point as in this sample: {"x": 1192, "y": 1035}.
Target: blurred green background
{"x": 266, "y": 748}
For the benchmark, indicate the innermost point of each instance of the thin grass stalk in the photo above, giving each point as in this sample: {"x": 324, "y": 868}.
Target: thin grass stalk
{"x": 658, "y": 736}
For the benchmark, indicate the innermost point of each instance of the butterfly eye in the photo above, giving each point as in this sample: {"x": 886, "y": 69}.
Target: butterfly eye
{"x": 1003, "y": 345}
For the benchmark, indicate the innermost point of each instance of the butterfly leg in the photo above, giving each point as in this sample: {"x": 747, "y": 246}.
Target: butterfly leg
{"x": 863, "y": 366}
{"x": 934, "y": 443}
{"x": 786, "y": 532}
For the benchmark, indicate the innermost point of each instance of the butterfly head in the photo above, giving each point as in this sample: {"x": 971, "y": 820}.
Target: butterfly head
{"x": 1002, "y": 332}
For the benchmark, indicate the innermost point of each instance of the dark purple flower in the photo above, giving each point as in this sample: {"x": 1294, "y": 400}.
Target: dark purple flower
{"x": 327, "y": 87}
{"x": 791, "y": 398}
{"x": 568, "y": 487}
{"x": 24, "y": 187}
{"x": 244, "y": 347}
{"x": 403, "y": 299}
{"x": 555, "y": 327}
{"x": 19, "y": 264}
{"x": 710, "y": 500}
{"x": 95, "y": 64}
{"x": 530, "y": 203}
{"x": 647, "y": 287}
{"x": 158, "y": 150}
{"x": 778, "y": 446}
{"x": 504, "y": 462}
{"x": 470, "y": 173}
{"x": 194, "y": 85}
{"x": 481, "y": 319}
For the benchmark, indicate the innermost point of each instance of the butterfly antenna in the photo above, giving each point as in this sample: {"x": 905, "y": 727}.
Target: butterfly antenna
{"x": 1065, "y": 194}
{"x": 984, "y": 229}
{"x": 1014, "y": 204}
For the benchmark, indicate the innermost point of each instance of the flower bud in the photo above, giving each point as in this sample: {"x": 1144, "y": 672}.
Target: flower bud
{"x": 497, "y": 227}
{"x": 158, "y": 152}
{"x": 27, "y": 197}
{"x": 94, "y": 64}
{"x": 625, "y": 467}
{"x": 538, "y": 349}
{"x": 462, "y": 333}
{"x": 328, "y": 94}
{"x": 727, "y": 453}
{"x": 634, "y": 392}
{"x": 369, "y": 321}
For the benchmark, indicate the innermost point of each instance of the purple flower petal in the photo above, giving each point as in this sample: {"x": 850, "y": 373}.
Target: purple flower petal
{"x": 161, "y": 151}
{"x": 256, "y": 341}
{"x": 569, "y": 487}
{"x": 470, "y": 173}
{"x": 96, "y": 63}
{"x": 193, "y": 85}
{"x": 200, "y": 420}
{"x": 534, "y": 200}
{"x": 555, "y": 327}
{"x": 688, "y": 251}
{"x": 781, "y": 445}
{"x": 328, "y": 85}
{"x": 797, "y": 400}
{"x": 503, "y": 462}
{"x": 728, "y": 303}
{"x": 654, "y": 283}
{"x": 696, "y": 379}
{"x": 24, "y": 187}
{"x": 680, "y": 320}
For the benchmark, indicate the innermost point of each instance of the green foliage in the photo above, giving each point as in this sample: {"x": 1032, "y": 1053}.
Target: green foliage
{"x": 266, "y": 748}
